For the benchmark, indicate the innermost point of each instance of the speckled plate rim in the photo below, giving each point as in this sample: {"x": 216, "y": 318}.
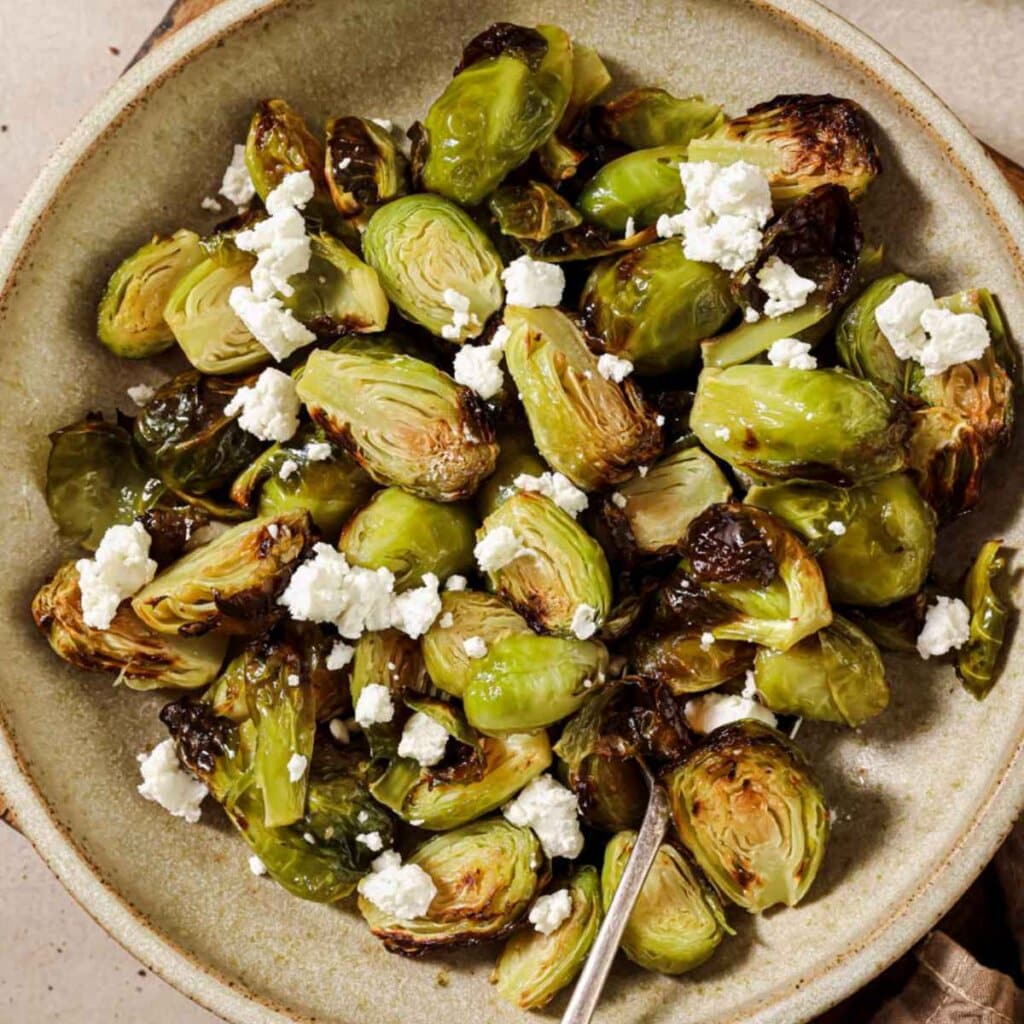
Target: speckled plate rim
{"x": 994, "y": 816}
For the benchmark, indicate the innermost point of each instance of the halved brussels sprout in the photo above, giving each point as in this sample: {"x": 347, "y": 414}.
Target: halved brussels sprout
{"x": 587, "y": 242}
{"x": 686, "y": 665}
{"x": 175, "y": 530}
{"x": 534, "y": 211}
{"x": 946, "y": 458}
{"x": 187, "y": 439}
{"x": 131, "y": 313}
{"x": 748, "y": 807}
{"x": 653, "y": 306}
{"x": 660, "y": 506}
{"x": 527, "y": 682}
{"x": 800, "y": 142}
{"x": 431, "y": 255}
{"x": 364, "y": 167}
{"x": 94, "y": 480}
{"x": 486, "y": 874}
{"x": 642, "y": 118}
{"x": 143, "y": 660}
{"x": 874, "y": 542}
{"x": 593, "y": 430}
{"x": 775, "y": 422}
{"x": 232, "y": 583}
{"x": 836, "y": 675}
{"x": 643, "y": 185}
{"x": 279, "y": 144}
{"x": 978, "y": 659}
{"x": 861, "y": 346}
{"x": 507, "y": 97}
{"x": 533, "y": 967}
{"x": 516, "y": 457}
{"x": 472, "y": 615}
{"x": 677, "y": 921}
{"x": 403, "y": 420}
{"x": 411, "y": 536}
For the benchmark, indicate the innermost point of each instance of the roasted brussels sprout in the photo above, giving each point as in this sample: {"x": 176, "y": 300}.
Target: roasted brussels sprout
{"x": 176, "y": 529}
{"x": 534, "y": 211}
{"x": 278, "y": 144}
{"x": 643, "y": 185}
{"x": 684, "y": 663}
{"x": 486, "y": 875}
{"x": 507, "y": 97}
{"x": 653, "y": 306}
{"x": 978, "y": 659}
{"x": 516, "y": 457}
{"x": 534, "y": 966}
{"x": 143, "y": 660}
{"x": 471, "y": 615}
{"x": 131, "y": 313}
{"x": 364, "y": 167}
{"x": 774, "y": 422}
{"x": 642, "y": 118}
{"x": 677, "y": 921}
{"x": 861, "y": 346}
{"x": 946, "y": 458}
{"x": 527, "y": 682}
{"x": 561, "y": 570}
{"x": 230, "y": 584}
{"x": 411, "y": 536}
{"x": 94, "y": 480}
{"x": 593, "y": 430}
{"x": 587, "y": 242}
{"x": 800, "y": 142}
{"x": 403, "y": 420}
{"x": 747, "y": 806}
{"x": 187, "y": 439}
{"x": 836, "y": 675}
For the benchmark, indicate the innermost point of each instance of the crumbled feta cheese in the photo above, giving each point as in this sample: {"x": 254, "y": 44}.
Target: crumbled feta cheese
{"x": 478, "y": 367}
{"x": 584, "y": 621}
{"x": 947, "y": 627}
{"x": 707, "y": 641}
{"x": 293, "y": 679}
{"x": 337, "y": 728}
{"x": 269, "y": 409}
{"x": 340, "y": 655}
{"x": 668, "y": 225}
{"x": 415, "y": 610}
{"x": 630, "y": 227}
{"x": 344, "y": 163}
{"x": 120, "y": 568}
{"x": 297, "y": 764}
{"x": 475, "y": 647}
{"x": 141, "y": 394}
{"x": 619, "y": 500}
{"x": 792, "y": 353}
{"x": 310, "y": 838}
{"x": 556, "y": 486}
{"x": 464, "y": 323}
{"x": 710, "y": 711}
{"x": 318, "y": 451}
{"x": 551, "y": 811}
{"x": 749, "y": 686}
{"x": 731, "y": 242}
{"x": 166, "y": 783}
{"x": 371, "y": 840}
{"x": 953, "y": 338}
{"x": 211, "y": 204}
{"x": 613, "y": 368}
{"x": 456, "y": 583}
{"x": 723, "y": 433}
{"x": 643, "y": 470}
{"x": 403, "y": 891}
{"x": 533, "y": 283}
{"x": 446, "y": 621}
{"x": 659, "y": 420}
{"x": 374, "y": 706}
{"x": 836, "y": 527}
{"x": 899, "y": 318}
{"x": 751, "y": 315}
{"x": 549, "y": 912}
{"x": 269, "y": 322}
{"x": 288, "y": 469}
{"x": 256, "y": 866}
{"x": 236, "y": 185}
{"x": 498, "y": 547}
{"x": 423, "y": 740}
{"x": 785, "y": 288}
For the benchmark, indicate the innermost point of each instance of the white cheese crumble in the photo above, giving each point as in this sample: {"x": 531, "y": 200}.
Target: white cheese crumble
{"x": 556, "y": 486}
{"x": 613, "y": 367}
{"x": 340, "y": 655}
{"x": 551, "y": 811}
{"x": 456, "y": 583}
{"x": 464, "y": 323}
{"x": 836, "y": 527}
{"x": 952, "y": 338}
{"x": 288, "y": 469}
{"x": 374, "y": 706}
{"x": 269, "y": 409}
{"x": 630, "y": 227}
{"x": 707, "y": 641}
{"x": 479, "y": 366}
{"x": 256, "y": 866}
{"x": 899, "y": 317}
{"x": 403, "y": 891}
{"x": 659, "y": 420}
{"x": 533, "y": 283}
{"x": 549, "y": 912}
{"x": 710, "y": 711}
{"x": 236, "y": 185}
{"x": 318, "y": 451}
{"x": 310, "y": 838}
{"x": 371, "y": 840}
{"x": 269, "y": 322}
{"x": 785, "y": 288}
{"x": 293, "y": 679}
{"x": 446, "y": 621}
{"x": 166, "y": 783}
{"x": 668, "y": 225}
{"x": 751, "y": 315}
{"x": 297, "y": 764}
{"x": 141, "y": 394}
{"x": 749, "y": 686}
{"x": 414, "y": 611}
{"x": 497, "y": 548}
{"x": 211, "y": 204}
{"x": 339, "y": 730}
{"x": 120, "y": 568}
{"x": 423, "y": 740}
{"x": 947, "y": 627}
{"x": 723, "y": 433}
{"x": 475, "y": 647}
{"x": 792, "y": 353}
{"x": 584, "y": 621}
{"x": 619, "y": 500}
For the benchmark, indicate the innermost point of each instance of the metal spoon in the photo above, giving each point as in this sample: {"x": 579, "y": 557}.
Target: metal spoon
{"x": 591, "y": 981}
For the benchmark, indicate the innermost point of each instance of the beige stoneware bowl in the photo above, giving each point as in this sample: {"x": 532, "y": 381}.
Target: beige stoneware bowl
{"x": 924, "y": 794}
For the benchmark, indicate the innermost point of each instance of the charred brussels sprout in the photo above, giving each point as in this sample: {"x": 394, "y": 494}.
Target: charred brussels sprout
{"x": 748, "y": 808}
{"x": 591, "y": 429}
{"x": 533, "y": 211}
{"x": 506, "y": 99}
{"x": 94, "y": 480}
{"x": 533, "y": 967}
{"x": 364, "y": 167}
{"x": 643, "y": 118}
{"x": 516, "y": 456}
{"x": 677, "y": 921}
{"x": 403, "y": 420}
{"x": 143, "y": 660}
{"x": 643, "y": 185}
{"x": 978, "y": 659}
{"x": 187, "y": 439}
{"x": 230, "y": 584}
{"x": 775, "y": 422}
{"x": 431, "y": 256}
{"x": 131, "y": 313}
{"x": 685, "y": 665}
{"x": 410, "y": 536}
{"x": 653, "y": 306}
{"x": 800, "y": 142}
{"x": 836, "y": 675}
{"x": 527, "y": 682}
{"x": 861, "y": 346}
{"x": 486, "y": 874}
{"x": 279, "y": 144}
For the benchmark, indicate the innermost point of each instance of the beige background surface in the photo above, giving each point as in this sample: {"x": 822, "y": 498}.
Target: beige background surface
{"x": 56, "y": 57}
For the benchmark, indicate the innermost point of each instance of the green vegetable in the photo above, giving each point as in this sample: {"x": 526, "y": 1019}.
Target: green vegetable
{"x": 364, "y": 167}
{"x": 647, "y": 117}
{"x": 533, "y": 211}
{"x": 516, "y": 456}
{"x": 861, "y": 346}
{"x": 978, "y": 659}
{"x": 679, "y": 660}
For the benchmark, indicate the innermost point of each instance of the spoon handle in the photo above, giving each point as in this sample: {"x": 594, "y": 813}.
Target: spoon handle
{"x": 591, "y": 981}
